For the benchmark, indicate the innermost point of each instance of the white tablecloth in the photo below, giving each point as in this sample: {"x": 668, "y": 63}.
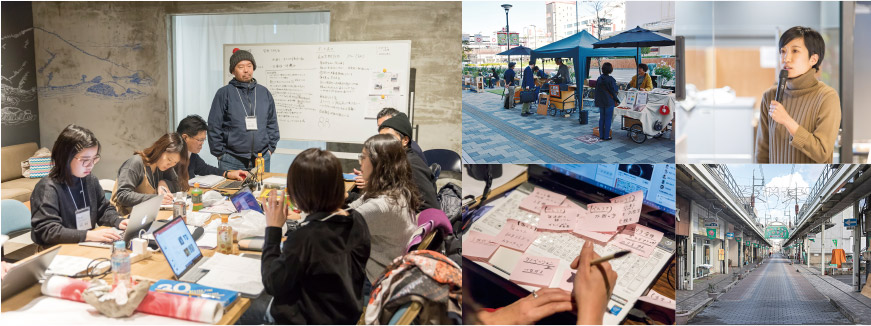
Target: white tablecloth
{"x": 650, "y": 113}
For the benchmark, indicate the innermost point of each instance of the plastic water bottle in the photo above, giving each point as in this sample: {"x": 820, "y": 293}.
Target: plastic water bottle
{"x": 121, "y": 264}
{"x": 225, "y": 237}
{"x": 179, "y": 206}
{"x": 197, "y": 197}
{"x": 259, "y": 165}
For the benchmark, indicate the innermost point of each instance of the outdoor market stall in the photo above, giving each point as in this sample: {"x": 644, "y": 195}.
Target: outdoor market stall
{"x": 645, "y": 114}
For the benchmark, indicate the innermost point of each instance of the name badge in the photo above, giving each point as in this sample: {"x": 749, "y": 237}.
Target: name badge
{"x": 83, "y": 218}
{"x": 251, "y": 123}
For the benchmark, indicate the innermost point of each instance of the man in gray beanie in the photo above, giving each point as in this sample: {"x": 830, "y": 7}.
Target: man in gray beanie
{"x": 242, "y": 121}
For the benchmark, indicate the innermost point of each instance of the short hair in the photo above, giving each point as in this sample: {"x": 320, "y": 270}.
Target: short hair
{"x": 314, "y": 181}
{"x": 643, "y": 66}
{"x": 387, "y": 112}
{"x": 532, "y": 62}
{"x": 607, "y": 68}
{"x": 72, "y": 140}
{"x": 192, "y": 125}
{"x": 511, "y": 64}
{"x": 813, "y": 41}
{"x": 534, "y": 68}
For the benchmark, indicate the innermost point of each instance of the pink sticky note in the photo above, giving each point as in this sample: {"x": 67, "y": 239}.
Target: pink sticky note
{"x": 534, "y": 270}
{"x": 571, "y": 204}
{"x": 567, "y": 282}
{"x": 641, "y": 243}
{"x": 516, "y": 235}
{"x": 603, "y": 217}
{"x": 596, "y": 236}
{"x": 558, "y": 218}
{"x": 478, "y": 246}
{"x": 540, "y": 197}
{"x": 632, "y": 211}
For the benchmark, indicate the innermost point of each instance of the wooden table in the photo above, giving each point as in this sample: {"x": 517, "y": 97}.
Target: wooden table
{"x": 664, "y": 283}
{"x": 151, "y": 269}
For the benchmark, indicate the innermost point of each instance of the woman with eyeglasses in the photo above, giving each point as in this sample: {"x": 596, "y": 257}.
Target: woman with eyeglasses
{"x": 67, "y": 205}
{"x": 388, "y": 202}
{"x": 150, "y": 173}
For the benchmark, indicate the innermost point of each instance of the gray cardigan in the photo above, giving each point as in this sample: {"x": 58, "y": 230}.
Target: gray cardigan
{"x": 131, "y": 174}
{"x": 391, "y": 225}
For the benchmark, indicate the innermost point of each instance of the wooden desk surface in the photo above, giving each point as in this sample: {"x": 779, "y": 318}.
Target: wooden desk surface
{"x": 663, "y": 285}
{"x": 151, "y": 269}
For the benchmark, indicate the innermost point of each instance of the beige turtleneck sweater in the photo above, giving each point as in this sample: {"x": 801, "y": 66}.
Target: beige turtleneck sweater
{"x": 816, "y": 108}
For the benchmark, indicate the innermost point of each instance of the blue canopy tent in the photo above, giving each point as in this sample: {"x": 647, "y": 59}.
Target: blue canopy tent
{"x": 636, "y": 38}
{"x": 579, "y": 48}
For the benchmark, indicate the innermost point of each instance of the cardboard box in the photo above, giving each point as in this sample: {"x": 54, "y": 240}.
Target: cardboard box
{"x": 596, "y": 131}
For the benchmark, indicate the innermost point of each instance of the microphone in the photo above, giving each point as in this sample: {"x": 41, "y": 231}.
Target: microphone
{"x": 781, "y": 86}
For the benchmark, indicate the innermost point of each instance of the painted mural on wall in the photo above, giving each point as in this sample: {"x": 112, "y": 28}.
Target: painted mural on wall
{"x": 20, "y": 110}
{"x": 111, "y": 80}
{"x": 18, "y": 83}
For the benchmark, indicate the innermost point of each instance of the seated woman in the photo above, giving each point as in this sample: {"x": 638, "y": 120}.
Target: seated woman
{"x": 645, "y": 84}
{"x": 804, "y": 127}
{"x": 67, "y": 205}
{"x": 317, "y": 276}
{"x": 388, "y": 202}
{"x": 149, "y": 173}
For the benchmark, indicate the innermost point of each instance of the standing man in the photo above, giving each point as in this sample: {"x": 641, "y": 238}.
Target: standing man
{"x": 562, "y": 74}
{"x": 528, "y": 84}
{"x": 242, "y": 121}
{"x": 509, "y": 84}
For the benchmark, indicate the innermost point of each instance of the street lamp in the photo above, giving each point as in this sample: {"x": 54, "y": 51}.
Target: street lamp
{"x": 507, "y": 31}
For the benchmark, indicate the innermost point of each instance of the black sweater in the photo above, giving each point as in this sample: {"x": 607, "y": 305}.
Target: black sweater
{"x": 196, "y": 166}
{"x": 424, "y": 179}
{"x": 53, "y": 213}
{"x": 317, "y": 277}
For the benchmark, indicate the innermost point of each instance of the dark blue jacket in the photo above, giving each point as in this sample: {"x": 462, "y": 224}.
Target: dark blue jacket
{"x": 509, "y": 77}
{"x": 528, "y": 78}
{"x": 196, "y": 166}
{"x": 227, "y": 131}
{"x": 605, "y": 87}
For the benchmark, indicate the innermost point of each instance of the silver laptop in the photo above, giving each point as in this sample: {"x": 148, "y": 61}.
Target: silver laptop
{"x": 180, "y": 249}
{"x": 140, "y": 219}
{"x": 27, "y": 273}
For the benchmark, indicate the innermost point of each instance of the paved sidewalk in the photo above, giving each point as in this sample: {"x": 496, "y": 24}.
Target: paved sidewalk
{"x": 772, "y": 294}
{"x": 689, "y": 299}
{"x": 492, "y": 134}
{"x": 856, "y": 306}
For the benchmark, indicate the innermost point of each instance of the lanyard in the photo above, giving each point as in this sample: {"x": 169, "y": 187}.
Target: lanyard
{"x": 254, "y": 108}
{"x": 84, "y": 198}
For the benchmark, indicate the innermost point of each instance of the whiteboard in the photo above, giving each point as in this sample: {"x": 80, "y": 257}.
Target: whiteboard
{"x": 331, "y": 91}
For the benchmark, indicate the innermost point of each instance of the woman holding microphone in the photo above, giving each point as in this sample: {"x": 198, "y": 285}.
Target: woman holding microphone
{"x": 801, "y": 128}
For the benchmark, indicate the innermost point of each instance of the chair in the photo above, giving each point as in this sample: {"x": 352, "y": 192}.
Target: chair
{"x": 108, "y": 185}
{"x": 15, "y": 220}
{"x": 447, "y": 159}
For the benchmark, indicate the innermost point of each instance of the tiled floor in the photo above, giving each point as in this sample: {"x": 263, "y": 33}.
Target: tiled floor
{"x": 492, "y": 134}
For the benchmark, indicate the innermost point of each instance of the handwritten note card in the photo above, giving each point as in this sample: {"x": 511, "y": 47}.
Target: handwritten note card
{"x": 632, "y": 211}
{"x": 604, "y": 217}
{"x": 641, "y": 243}
{"x": 559, "y": 218}
{"x": 479, "y": 246}
{"x": 567, "y": 282}
{"x": 516, "y": 235}
{"x": 534, "y": 270}
{"x": 658, "y": 299}
{"x": 539, "y": 198}
{"x": 594, "y": 235}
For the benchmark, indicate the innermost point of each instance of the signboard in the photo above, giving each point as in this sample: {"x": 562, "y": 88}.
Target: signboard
{"x": 502, "y": 37}
{"x": 712, "y": 233}
{"x": 731, "y": 235}
{"x": 722, "y": 254}
{"x": 515, "y": 38}
{"x": 777, "y": 232}
{"x": 835, "y": 241}
{"x": 738, "y": 239}
{"x": 850, "y": 222}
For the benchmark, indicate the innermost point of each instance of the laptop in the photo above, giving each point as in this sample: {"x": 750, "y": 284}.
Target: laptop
{"x": 236, "y": 184}
{"x": 244, "y": 199}
{"x": 180, "y": 249}
{"x": 140, "y": 219}
{"x": 27, "y": 273}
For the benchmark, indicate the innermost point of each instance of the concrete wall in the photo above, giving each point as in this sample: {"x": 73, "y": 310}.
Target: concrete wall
{"x": 125, "y": 45}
